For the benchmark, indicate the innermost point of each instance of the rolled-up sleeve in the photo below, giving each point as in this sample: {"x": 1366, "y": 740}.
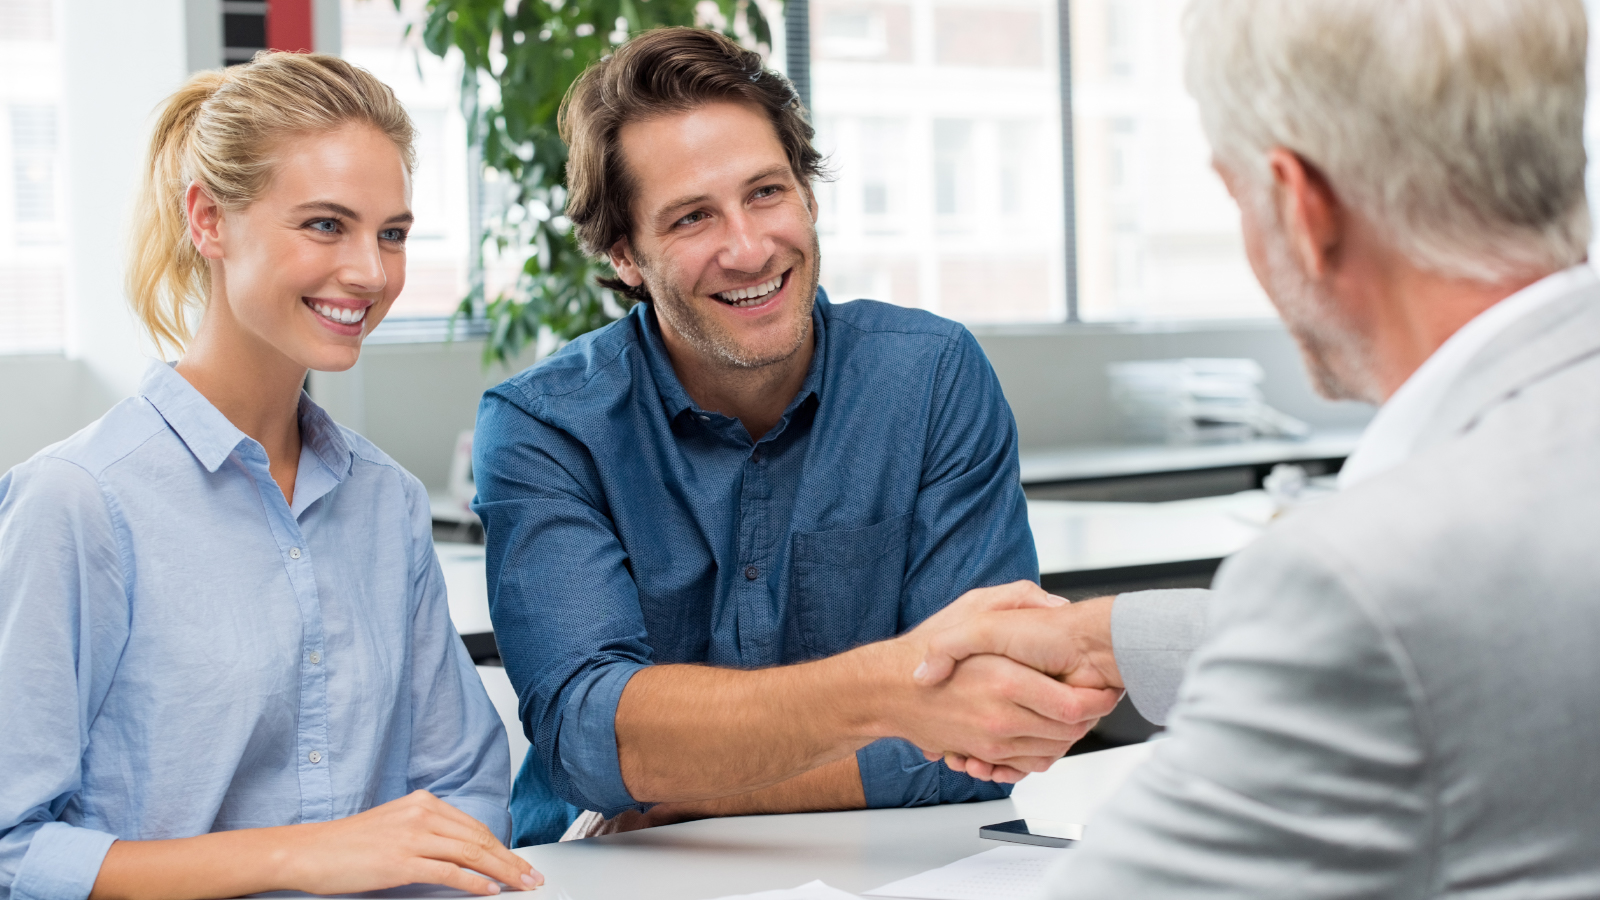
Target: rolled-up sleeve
{"x": 970, "y": 530}
{"x": 566, "y": 611}
{"x": 59, "y": 567}
{"x": 459, "y": 751}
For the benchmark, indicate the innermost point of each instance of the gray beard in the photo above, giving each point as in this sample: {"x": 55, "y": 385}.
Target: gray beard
{"x": 1337, "y": 356}
{"x": 709, "y": 340}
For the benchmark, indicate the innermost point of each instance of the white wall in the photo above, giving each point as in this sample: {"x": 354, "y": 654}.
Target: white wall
{"x": 107, "y": 116}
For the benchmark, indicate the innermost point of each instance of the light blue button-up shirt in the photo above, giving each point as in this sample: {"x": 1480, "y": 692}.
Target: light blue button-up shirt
{"x": 182, "y": 651}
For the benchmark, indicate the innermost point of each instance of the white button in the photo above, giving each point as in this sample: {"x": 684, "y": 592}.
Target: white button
{"x": 294, "y": 552}
{"x": 316, "y": 658}
{"x": 315, "y": 756}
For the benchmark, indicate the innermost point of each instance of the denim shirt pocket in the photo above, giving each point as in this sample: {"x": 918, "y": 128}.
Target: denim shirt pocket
{"x": 847, "y": 584}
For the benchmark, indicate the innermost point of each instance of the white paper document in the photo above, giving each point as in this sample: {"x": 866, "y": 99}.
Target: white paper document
{"x": 1004, "y": 873}
{"x": 814, "y": 890}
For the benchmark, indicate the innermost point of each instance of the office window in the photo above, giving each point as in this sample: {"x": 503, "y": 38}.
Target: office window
{"x": 942, "y": 119}
{"x": 32, "y": 251}
{"x": 438, "y": 251}
{"x": 1158, "y": 236}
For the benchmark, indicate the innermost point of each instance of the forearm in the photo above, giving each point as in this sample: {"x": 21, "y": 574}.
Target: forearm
{"x": 222, "y": 864}
{"x": 834, "y": 786}
{"x": 696, "y": 734}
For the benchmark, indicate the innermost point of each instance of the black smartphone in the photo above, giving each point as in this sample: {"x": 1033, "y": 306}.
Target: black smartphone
{"x": 1034, "y": 831}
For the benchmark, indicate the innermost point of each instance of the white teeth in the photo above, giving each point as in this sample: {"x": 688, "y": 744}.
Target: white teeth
{"x": 340, "y": 314}
{"x": 752, "y": 295}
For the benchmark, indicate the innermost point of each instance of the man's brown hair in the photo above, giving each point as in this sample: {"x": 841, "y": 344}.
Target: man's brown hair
{"x": 665, "y": 71}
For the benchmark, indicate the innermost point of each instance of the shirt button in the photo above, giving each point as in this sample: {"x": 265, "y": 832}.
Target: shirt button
{"x": 294, "y": 552}
{"x": 316, "y": 658}
{"x": 705, "y": 418}
{"x": 751, "y": 573}
{"x": 315, "y": 756}
{"x": 756, "y": 455}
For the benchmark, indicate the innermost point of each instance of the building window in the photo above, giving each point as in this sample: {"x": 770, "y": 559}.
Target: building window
{"x": 438, "y": 250}
{"x": 32, "y": 250}
{"x": 943, "y": 120}
{"x": 1158, "y": 236}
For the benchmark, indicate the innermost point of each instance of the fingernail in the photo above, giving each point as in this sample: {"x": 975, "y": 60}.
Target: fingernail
{"x": 1053, "y": 600}
{"x": 921, "y": 671}
{"x": 494, "y": 888}
{"x": 530, "y": 881}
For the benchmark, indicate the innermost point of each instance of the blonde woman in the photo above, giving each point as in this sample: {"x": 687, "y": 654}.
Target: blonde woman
{"x": 226, "y": 661}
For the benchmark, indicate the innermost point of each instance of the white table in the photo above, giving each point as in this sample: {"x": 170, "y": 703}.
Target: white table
{"x": 854, "y": 851}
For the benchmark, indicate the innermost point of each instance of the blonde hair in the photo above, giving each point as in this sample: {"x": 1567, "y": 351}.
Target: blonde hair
{"x": 1455, "y": 126}
{"x": 220, "y": 130}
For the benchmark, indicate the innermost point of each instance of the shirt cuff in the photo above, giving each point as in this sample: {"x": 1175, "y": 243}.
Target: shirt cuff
{"x": 1153, "y": 634}
{"x": 587, "y": 742}
{"x": 62, "y": 863}
{"x": 494, "y": 816}
{"x": 894, "y": 773}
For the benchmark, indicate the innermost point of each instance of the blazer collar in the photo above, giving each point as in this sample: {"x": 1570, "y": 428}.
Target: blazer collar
{"x": 1548, "y": 340}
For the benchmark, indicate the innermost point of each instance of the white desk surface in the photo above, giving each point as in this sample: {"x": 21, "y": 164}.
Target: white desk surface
{"x": 1120, "y": 460}
{"x": 1075, "y": 536}
{"x": 1070, "y": 536}
{"x": 853, "y": 851}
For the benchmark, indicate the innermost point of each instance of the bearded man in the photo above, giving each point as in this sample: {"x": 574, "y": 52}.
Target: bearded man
{"x": 714, "y": 525}
{"x": 1392, "y": 692}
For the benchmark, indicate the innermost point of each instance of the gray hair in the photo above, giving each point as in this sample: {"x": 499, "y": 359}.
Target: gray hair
{"x": 1455, "y": 126}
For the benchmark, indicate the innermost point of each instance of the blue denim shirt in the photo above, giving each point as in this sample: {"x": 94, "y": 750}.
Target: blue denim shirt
{"x": 183, "y": 651}
{"x": 627, "y": 527}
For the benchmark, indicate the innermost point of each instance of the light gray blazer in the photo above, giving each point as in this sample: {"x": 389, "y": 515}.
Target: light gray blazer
{"x": 1398, "y": 689}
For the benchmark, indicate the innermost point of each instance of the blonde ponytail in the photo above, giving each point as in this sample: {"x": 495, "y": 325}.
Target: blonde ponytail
{"x": 220, "y": 130}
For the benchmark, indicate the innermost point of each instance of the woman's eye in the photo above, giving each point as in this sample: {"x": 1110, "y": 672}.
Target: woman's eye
{"x": 326, "y": 226}
{"x": 393, "y": 235}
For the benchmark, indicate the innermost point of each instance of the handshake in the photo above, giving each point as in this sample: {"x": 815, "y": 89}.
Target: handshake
{"x": 1008, "y": 678}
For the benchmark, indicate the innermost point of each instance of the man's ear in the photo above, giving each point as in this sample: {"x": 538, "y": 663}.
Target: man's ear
{"x": 1309, "y": 210}
{"x": 205, "y": 221}
{"x": 622, "y": 260}
{"x": 811, "y": 201}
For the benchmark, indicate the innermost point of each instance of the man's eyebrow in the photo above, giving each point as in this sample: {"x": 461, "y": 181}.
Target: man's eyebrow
{"x": 668, "y": 208}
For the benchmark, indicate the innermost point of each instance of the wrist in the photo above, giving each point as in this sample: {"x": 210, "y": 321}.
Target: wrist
{"x": 1091, "y": 635}
{"x": 882, "y": 684}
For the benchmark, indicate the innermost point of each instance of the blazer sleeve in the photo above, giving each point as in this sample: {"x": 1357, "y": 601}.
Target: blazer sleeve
{"x": 1296, "y": 760}
{"x": 1153, "y": 635}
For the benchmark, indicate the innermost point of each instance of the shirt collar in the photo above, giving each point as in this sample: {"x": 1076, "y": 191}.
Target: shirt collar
{"x": 211, "y": 437}
{"x": 675, "y": 400}
{"x": 1392, "y": 435}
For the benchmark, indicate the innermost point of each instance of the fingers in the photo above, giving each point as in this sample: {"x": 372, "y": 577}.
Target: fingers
{"x": 979, "y": 634}
{"x": 455, "y": 837}
{"x": 1060, "y": 702}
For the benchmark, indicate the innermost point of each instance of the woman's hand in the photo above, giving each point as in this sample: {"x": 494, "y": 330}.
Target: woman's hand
{"x": 416, "y": 839}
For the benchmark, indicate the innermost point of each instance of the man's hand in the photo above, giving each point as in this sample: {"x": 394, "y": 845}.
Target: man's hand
{"x": 1068, "y": 642}
{"x": 1017, "y": 719}
{"x": 1071, "y": 642}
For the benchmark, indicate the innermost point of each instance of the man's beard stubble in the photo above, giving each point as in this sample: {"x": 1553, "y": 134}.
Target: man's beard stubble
{"x": 1336, "y": 354}
{"x": 712, "y": 341}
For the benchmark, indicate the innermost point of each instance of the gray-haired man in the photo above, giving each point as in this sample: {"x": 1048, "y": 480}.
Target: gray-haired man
{"x": 1395, "y": 690}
